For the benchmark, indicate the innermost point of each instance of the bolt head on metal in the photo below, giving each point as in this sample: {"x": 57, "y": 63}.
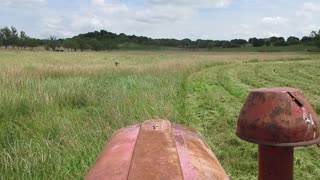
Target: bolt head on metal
{"x": 278, "y": 117}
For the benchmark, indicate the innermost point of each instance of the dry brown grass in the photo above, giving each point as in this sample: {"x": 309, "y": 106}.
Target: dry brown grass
{"x": 58, "y": 109}
{"x": 24, "y": 64}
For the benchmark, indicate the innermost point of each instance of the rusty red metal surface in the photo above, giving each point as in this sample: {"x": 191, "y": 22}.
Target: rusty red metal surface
{"x": 187, "y": 167}
{"x": 198, "y": 161}
{"x": 275, "y": 163}
{"x": 157, "y": 149}
{"x": 115, "y": 159}
{"x": 155, "y": 155}
{"x": 278, "y": 117}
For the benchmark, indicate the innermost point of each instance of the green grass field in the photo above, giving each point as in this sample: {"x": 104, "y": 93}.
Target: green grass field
{"x": 57, "y": 110}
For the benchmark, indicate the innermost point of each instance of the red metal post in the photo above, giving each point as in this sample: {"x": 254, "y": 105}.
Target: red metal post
{"x": 278, "y": 119}
{"x": 275, "y": 163}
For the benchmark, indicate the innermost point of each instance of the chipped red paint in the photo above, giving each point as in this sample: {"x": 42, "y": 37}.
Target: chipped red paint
{"x": 115, "y": 159}
{"x": 187, "y": 167}
{"x": 155, "y": 155}
{"x": 277, "y": 119}
{"x": 157, "y": 149}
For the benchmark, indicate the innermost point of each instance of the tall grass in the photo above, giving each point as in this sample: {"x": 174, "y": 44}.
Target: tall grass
{"x": 58, "y": 109}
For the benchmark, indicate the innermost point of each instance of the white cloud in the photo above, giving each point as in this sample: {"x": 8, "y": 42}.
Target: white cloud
{"x": 109, "y": 7}
{"x": 210, "y": 19}
{"x": 274, "y": 20}
{"x": 309, "y": 6}
{"x": 244, "y": 26}
{"x": 100, "y": 14}
{"x": 309, "y": 11}
{"x": 162, "y": 11}
{"x": 306, "y": 30}
{"x": 79, "y": 21}
{"x": 308, "y": 18}
{"x": 165, "y": 14}
{"x": 156, "y": 18}
{"x": 68, "y": 26}
{"x": 22, "y": 3}
{"x": 192, "y": 3}
{"x": 270, "y": 34}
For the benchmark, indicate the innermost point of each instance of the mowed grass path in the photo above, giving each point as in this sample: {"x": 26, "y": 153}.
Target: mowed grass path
{"x": 216, "y": 95}
{"x": 58, "y": 109}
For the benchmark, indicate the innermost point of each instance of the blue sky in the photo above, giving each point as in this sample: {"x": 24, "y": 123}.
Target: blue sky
{"x": 206, "y": 19}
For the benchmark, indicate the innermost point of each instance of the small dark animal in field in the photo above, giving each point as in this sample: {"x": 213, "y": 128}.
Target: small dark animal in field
{"x": 117, "y": 64}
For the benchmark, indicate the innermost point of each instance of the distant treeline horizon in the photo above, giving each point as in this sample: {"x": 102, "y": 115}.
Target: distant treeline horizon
{"x": 104, "y": 40}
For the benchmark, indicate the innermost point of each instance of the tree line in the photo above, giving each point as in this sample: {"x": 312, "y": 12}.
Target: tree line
{"x": 12, "y": 37}
{"x": 104, "y": 40}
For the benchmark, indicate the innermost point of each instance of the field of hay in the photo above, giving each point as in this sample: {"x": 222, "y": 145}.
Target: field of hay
{"x": 57, "y": 110}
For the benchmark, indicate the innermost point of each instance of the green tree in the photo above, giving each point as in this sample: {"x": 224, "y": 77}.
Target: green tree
{"x": 277, "y": 41}
{"x": 293, "y": 40}
{"x": 14, "y": 39}
{"x": 108, "y": 45}
{"x": 267, "y": 42}
{"x": 211, "y": 45}
{"x": 218, "y": 44}
{"x": 316, "y": 38}
{"x": 186, "y": 43}
{"x": 199, "y": 43}
{"x": 95, "y": 45}
{"x": 53, "y": 43}
{"x": 306, "y": 39}
{"x": 257, "y": 42}
{"x": 280, "y": 43}
{"x": 5, "y": 34}
{"x": 22, "y": 41}
{"x": 82, "y": 42}
{"x": 239, "y": 42}
{"x": 71, "y": 43}
{"x": 1, "y": 39}
{"x": 32, "y": 43}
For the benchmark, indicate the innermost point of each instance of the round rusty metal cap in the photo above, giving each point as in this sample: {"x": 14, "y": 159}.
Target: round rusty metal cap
{"x": 278, "y": 117}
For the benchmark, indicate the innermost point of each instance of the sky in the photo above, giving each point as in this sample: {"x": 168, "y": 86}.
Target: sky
{"x": 194, "y": 19}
